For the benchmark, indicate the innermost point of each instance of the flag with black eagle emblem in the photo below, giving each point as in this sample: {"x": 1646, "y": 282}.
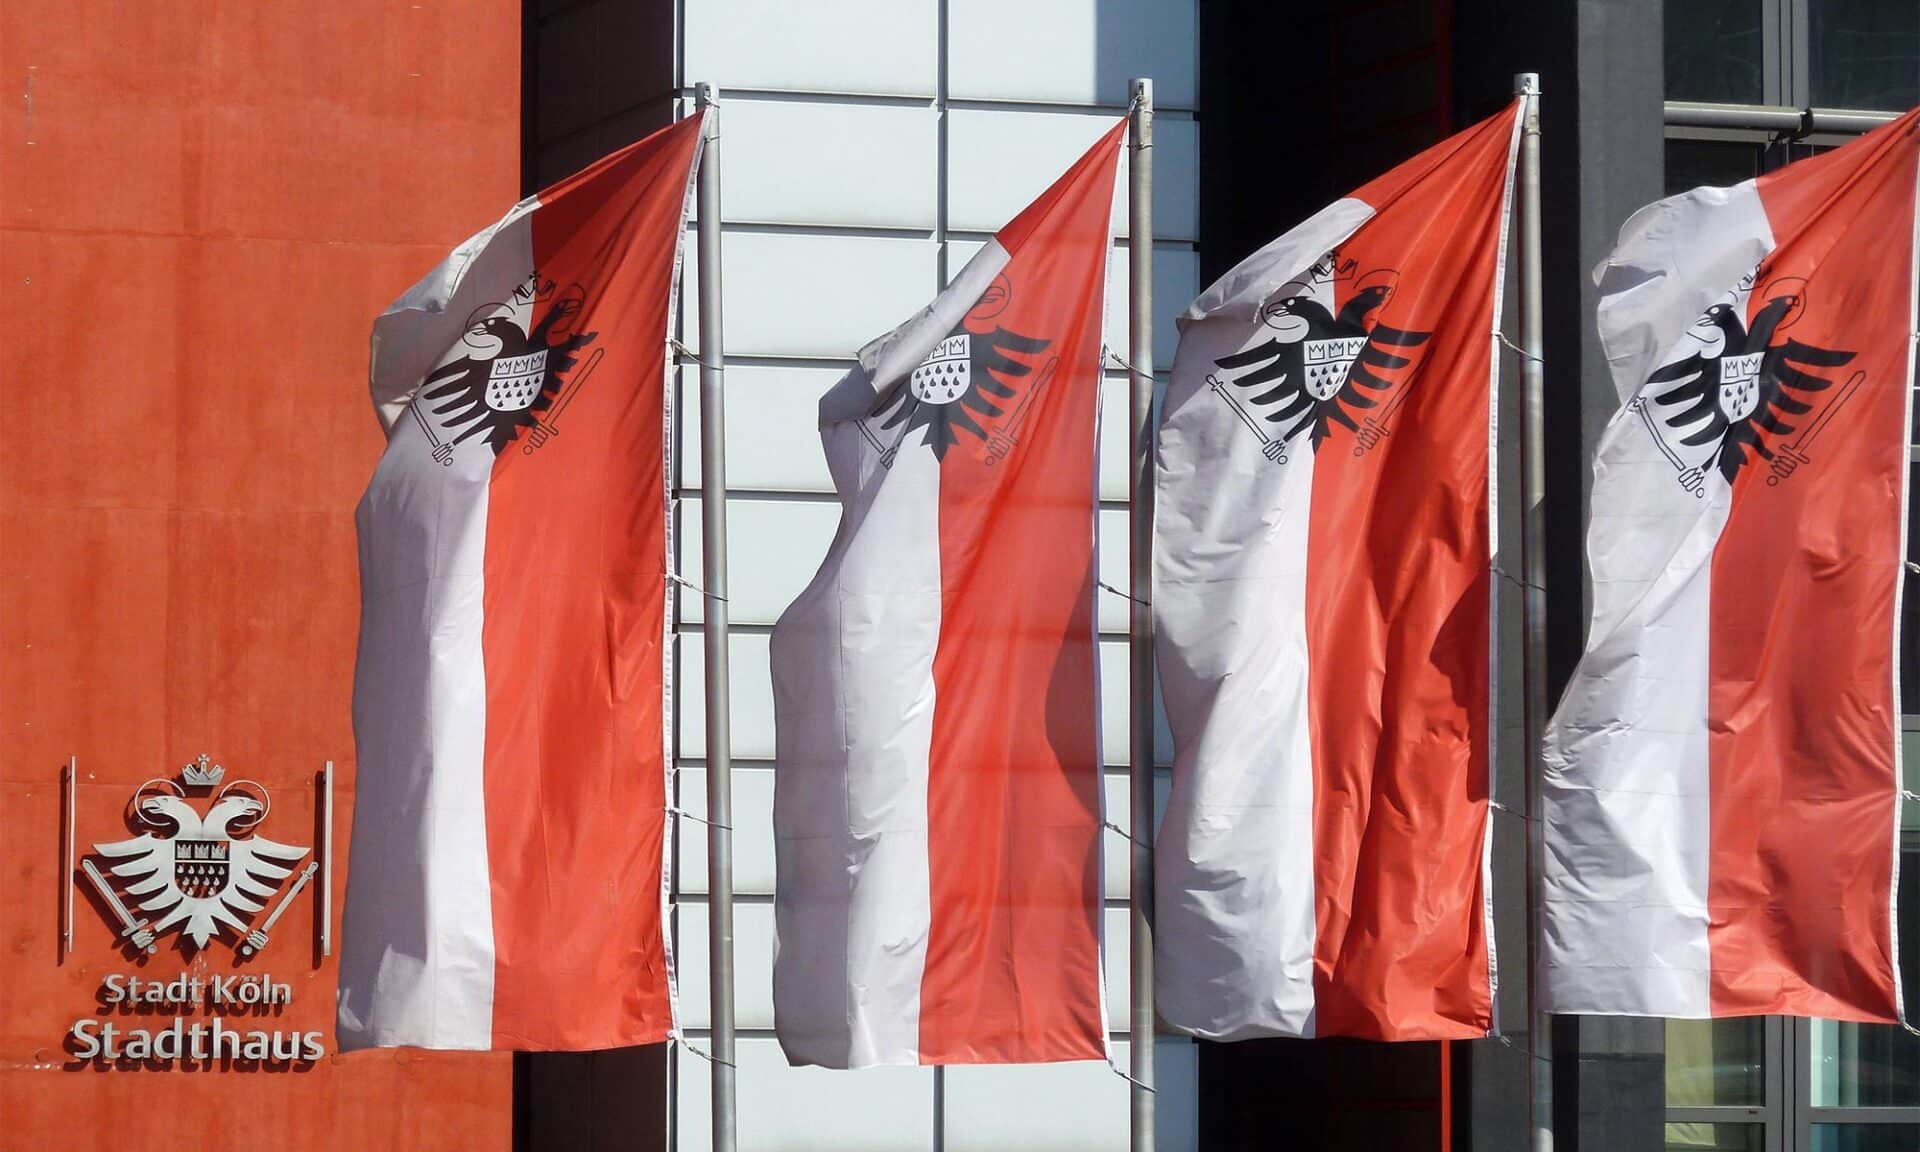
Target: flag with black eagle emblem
{"x": 937, "y": 813}
{"x": 1721, "y": 789}
{"x": 1322, "y": 603}
{"x": 510, "y": 702}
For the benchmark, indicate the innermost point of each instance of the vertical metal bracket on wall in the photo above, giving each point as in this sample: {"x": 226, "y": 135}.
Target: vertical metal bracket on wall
{"x": 69, "y": 796}
{"x": 713, "y": 508}
{"x": 1140, "y": 631}
{"x": 1533, "y": 483}
{"x": 325, "y": 903}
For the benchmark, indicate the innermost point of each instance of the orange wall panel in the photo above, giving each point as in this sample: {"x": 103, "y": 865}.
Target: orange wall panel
{"x": 202, "y": 208}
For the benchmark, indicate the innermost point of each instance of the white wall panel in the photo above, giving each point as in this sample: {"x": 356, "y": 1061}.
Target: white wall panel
{"x": 773, "y": 422}
{"x": 1176, "y": 281}
{"x": 1115, "y": 878}
{"x": 751, "y": 695}
{"x": 888, "y": 47}
{"x": 860, "y": 165}
{"x": 1116, "y": 425}
{"x": 752, "y": 963}
{"x": 1072, "y": 51}
{"x": 752, "y": 830}
{"x": 1076, "y": 1107}
{"x": 813, "y": 295}
{"x": 998, "y": 161}
{"x": 782, "y": 543}
{"x": 1115, "y": 693}
{"x": 786, "y": 1109}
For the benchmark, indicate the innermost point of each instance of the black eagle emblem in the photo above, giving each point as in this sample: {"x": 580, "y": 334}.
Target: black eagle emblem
{"x": 1324, "y": 367}
{"x": 968, "y": 377}
{"x": 512, "y": 370}
{"x": 1741, "y": 384}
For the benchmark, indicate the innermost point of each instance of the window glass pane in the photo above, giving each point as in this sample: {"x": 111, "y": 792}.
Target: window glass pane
{"x": 1863, "y": 53}
{"x": 1866, "y": 1137}
{"x": 1715, "y": 1062}
{"x": 1864, "y": 1065}
{"x": 1713, "y": 50}
{"x": 1715, "y": 1138}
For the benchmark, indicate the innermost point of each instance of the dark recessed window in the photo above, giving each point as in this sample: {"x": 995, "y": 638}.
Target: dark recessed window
{"x": 1862, "y": 53}
{"x": 1714, "y": 50}
{"x": 1693, "y": 163}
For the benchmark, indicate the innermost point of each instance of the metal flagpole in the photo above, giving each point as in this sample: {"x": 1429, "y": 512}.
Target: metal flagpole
{"x": 1533, "y": 487}
{"x": 1140, "y": 630}
{"x": 713, "y": 507}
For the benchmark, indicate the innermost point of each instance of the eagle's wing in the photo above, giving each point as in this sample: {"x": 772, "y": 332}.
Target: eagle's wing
{"x": 1693, "y": 387}
{"x": 258, "y": 870}
{"x": 255, "y": 874}
{"x": 460, "y": 395}
{"x": 144, "y": 862}
{"x": 561, "y": 358}
{"x": 260, "y": 864}
{"x": 1375, "y": 359}
{"x": 1281, "y": 363}
{"x": 1788, "y": 374}
{"x": 990, "y": 362}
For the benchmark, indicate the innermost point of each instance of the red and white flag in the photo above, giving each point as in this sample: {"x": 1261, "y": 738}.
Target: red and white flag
{"x": 1322, "y": 598}
{"x": 937, "y": 808}
{"x": 507, "y": 887}
{"x": 1722, "y": 779}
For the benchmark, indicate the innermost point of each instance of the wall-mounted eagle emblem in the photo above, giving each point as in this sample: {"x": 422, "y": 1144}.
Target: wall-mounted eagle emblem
{"x": 198, "y": 872}
{"x": 1732, "y": 392}
{"x": 1321, "y": 364}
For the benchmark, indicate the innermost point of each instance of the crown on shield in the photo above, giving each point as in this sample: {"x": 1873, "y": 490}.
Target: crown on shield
{"x": 202, "y": 773}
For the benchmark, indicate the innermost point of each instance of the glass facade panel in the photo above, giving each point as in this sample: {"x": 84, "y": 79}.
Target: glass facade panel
{"x": 1865, "y": 1137}
{"x": 1714, "y": 51}
{"x": 1863, "y": 53}
{"x": 1864, "y": 1065}
{"x": 1716, "y": 1138}
{"x": 1716, "y": 1062}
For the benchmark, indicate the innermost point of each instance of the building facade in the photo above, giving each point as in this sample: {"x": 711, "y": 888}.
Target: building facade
{"x": 201, "y": 212}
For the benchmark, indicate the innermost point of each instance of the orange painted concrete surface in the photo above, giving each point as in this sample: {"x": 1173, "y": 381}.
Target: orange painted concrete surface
{"x": 202, "y": 207}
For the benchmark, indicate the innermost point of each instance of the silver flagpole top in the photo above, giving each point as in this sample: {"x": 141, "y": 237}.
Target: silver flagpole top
{"x": 1526, "y": 83}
